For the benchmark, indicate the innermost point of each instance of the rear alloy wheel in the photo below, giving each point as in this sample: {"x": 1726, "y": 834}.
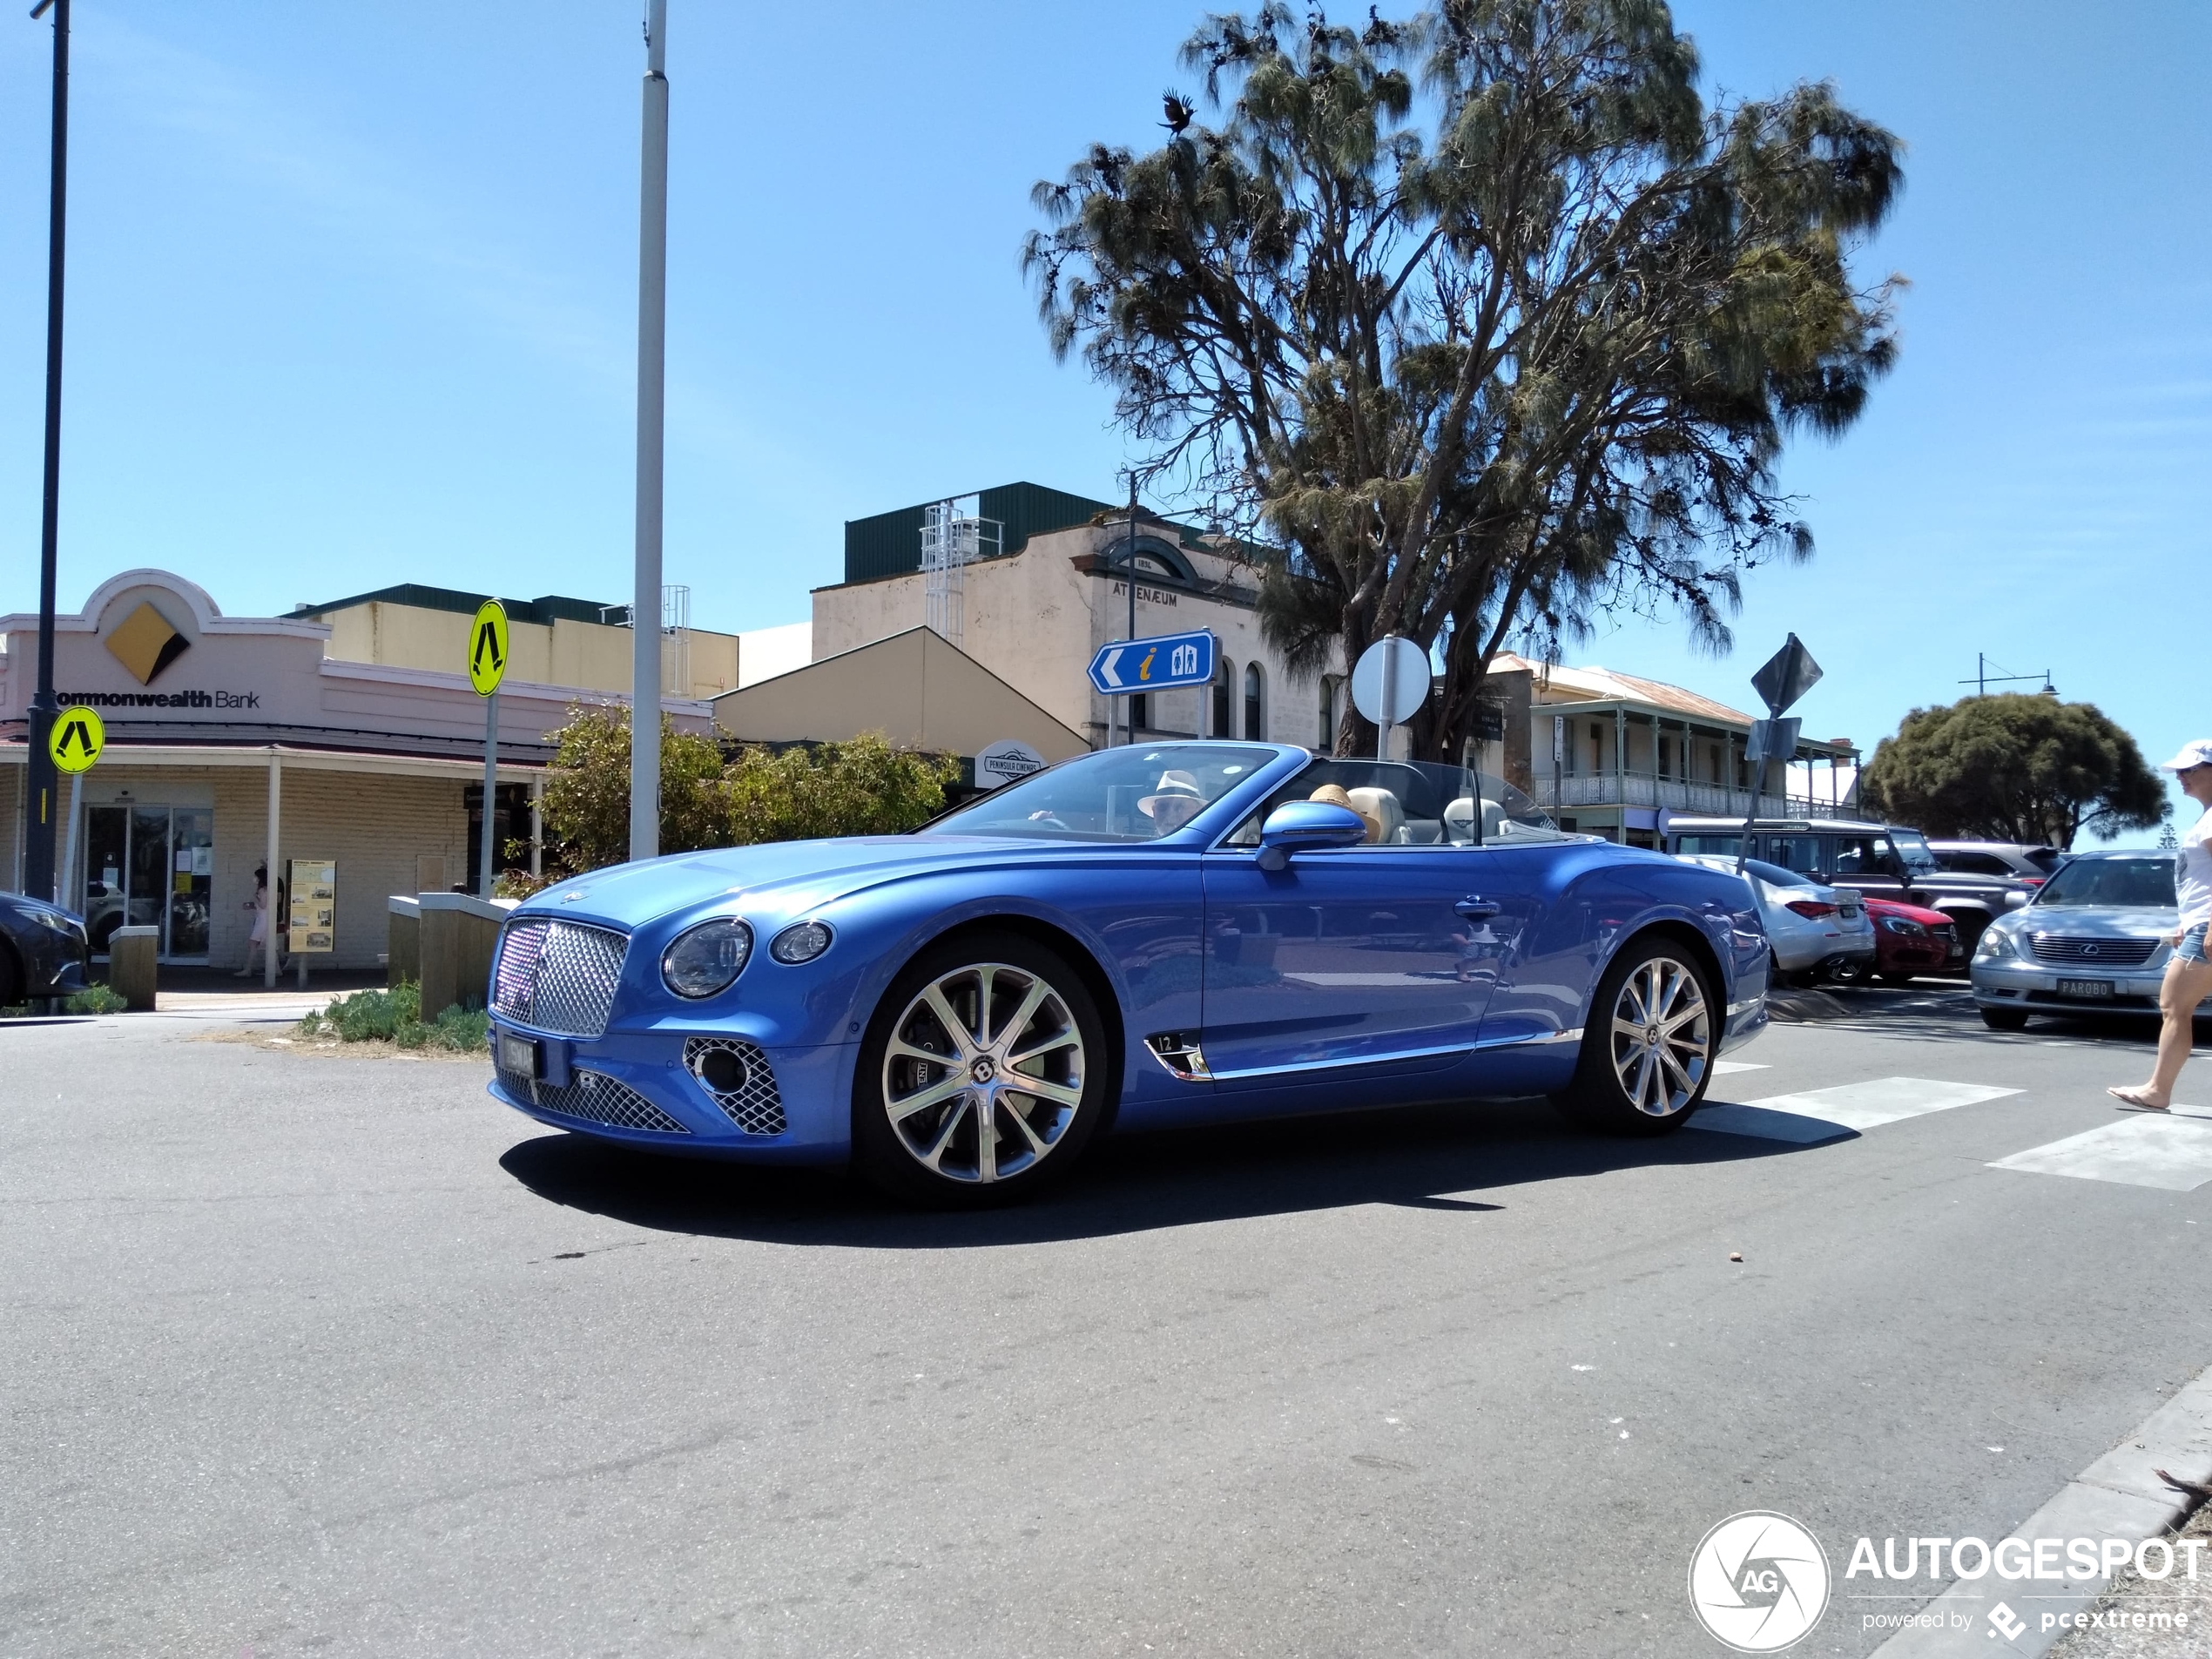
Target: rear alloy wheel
{"x": 2005, "y": 1019}
{"x": 1647, "y": 1054}
{"x": 983, "y": 1073}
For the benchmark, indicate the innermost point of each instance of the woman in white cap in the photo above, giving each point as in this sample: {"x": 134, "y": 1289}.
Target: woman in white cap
{"x": 2188, "y": 976}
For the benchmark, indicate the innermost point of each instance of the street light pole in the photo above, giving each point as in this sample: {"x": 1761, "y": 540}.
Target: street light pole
{"x": 652, "y": 345}
{"x": 42, "y": 781}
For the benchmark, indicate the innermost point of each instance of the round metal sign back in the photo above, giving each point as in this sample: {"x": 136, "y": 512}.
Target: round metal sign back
{"x": 1408, "y": 680}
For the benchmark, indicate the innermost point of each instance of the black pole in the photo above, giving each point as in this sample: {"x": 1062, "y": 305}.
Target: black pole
{"x": 43, "y": 785}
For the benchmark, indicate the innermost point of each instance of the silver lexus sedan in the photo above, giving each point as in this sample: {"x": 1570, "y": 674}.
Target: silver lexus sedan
{"x": 2093, "y": 941}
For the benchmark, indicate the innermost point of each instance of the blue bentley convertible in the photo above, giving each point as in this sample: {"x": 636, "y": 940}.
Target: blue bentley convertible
{"x": 1150, "y": 935}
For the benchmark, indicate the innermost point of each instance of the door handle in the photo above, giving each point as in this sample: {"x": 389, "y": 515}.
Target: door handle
{"x": 1476, "y": 908}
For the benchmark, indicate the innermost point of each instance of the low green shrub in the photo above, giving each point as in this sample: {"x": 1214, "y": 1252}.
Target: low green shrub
{"x": 98, "y": 999}
{"x": 396, "y": 1016}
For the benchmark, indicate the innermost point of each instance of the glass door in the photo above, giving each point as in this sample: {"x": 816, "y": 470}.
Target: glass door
{"x": 191, "y": 880}
{"x": 149, "y": 867}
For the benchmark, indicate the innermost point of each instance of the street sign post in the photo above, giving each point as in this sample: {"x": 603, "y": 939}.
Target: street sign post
{"x": 1159, "y": 662}
{"x": 1389, "y": 682}
{"x": 73, "y": 744}
{"x": 486, "y": 667}
{"x": 1787, "y": 676}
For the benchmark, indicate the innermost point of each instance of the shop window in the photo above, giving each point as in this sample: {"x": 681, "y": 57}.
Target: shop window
{"x": 1222, "y": 724}
{"x": 1255, "y": 704}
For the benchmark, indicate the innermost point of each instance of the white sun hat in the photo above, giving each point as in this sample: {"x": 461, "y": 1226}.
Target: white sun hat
{"x": 2198, "y": 753}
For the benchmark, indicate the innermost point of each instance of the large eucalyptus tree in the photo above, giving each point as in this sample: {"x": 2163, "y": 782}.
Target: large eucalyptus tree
{"x": 1478, "y": 325}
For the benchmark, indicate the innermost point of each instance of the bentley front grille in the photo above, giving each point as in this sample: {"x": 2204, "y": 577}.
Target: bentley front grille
{"x": 557, "y": 976}
{"x": 737, "y": 1077}
{"x": 595, "y": 1097}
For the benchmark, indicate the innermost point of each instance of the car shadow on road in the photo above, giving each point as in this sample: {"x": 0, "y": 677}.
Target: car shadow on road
{"x": 1935, "y": 1011}
{"x": 1464, "y": 1159}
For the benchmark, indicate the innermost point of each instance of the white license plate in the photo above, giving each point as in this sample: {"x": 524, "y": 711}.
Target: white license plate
{"x": 2090, "y": 988}
{"x": 519, "y": 1054}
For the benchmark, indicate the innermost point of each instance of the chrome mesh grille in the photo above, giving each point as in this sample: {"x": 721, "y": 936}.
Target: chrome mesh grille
{"x": 2096, "y": 953}
{"x": 593, "y": 1096}
{"x": 755, "y": 1106}
{"x": 557, "y": 975}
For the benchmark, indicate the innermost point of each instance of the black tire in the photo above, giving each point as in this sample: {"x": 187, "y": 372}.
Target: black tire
{"x": 11, "y": 976}
{"x": 2005, "y": 1019}
{"x": 936, "y": 1155}
{"x": 1669, "y": 1067}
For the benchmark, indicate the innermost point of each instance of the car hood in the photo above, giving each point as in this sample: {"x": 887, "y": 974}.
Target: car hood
{"x": 1925, "y": 917}
{"x": 776, "y": 877}
{"x": 2108, "y": 920}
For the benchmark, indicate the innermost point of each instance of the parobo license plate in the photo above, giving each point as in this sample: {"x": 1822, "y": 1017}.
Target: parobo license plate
{"x": 520, "y": 1054}
{"x": 2085, "y": 987}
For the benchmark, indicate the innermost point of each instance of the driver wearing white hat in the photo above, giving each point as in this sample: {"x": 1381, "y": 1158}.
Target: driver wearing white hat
{"x": 2188, "y": 974}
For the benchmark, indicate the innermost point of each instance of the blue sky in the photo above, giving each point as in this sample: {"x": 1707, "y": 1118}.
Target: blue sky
{"x": 352, "y": 302}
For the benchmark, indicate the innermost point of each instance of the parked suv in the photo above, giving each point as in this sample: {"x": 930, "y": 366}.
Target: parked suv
{"x": 1880, "y": 861}
{"x": 2008, "y": 861}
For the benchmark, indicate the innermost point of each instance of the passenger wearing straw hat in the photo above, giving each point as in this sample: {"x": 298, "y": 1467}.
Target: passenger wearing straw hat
{"x": 2188, "y": 974}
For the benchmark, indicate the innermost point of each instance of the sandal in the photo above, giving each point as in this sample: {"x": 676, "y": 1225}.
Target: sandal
{"x": 2131, "y": 1100}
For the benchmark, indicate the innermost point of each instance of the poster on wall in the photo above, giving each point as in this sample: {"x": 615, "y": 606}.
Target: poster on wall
{"x": 314, "y": 904}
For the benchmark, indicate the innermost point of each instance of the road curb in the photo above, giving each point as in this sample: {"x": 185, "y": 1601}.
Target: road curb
{"x": 2117, "y": 1496}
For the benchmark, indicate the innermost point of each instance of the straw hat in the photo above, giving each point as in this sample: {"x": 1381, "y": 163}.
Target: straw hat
{"x": 1335, "y": 795}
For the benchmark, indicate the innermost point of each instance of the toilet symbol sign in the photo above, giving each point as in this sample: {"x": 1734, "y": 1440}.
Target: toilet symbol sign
{"x": 487, "y": 648}
{"x": 78, "y": 736}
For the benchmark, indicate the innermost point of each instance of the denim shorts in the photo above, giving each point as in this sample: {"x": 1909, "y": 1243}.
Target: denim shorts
{"x": 2191, "y": 949}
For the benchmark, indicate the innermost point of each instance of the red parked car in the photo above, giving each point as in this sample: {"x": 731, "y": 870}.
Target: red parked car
{"x": 1909, "y": 939}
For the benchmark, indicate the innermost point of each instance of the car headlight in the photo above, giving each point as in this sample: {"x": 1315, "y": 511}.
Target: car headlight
{"x": 1995, "y": 943}
{"x": 705, "y": 960}
{"x": 1905, "y": 925}
{"x": 800, "y": 942}
{"x": 61, "y": 921}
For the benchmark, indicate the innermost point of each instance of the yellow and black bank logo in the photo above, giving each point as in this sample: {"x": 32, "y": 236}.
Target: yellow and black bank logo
{"x": 146, "y": 643}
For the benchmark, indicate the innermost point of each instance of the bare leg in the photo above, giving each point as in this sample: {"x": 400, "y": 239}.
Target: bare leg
{"x": 2185, "y": 986}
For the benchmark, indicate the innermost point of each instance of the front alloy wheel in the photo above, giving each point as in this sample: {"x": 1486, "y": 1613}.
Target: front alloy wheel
{"x": 989, "y": 1063}
{"x": 1648, "y": 1054}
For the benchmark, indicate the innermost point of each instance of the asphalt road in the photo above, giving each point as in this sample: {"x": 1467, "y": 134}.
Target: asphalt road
{"x": 338, "y": 1355}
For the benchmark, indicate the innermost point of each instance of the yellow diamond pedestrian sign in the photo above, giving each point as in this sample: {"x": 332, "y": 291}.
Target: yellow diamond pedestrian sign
{"x": 487, "y": 648}
{"x": 78, "y": 736}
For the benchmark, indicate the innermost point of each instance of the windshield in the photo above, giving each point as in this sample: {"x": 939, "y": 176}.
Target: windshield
{"x": 1136, "y": 793}
{"x": 1411, "y": 803}
{"x": 2147, "y": 882}
{"x": 1912, "y": 848}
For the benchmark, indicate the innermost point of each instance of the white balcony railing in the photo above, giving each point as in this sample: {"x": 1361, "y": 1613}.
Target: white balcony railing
{"x": 1706, "y": 799}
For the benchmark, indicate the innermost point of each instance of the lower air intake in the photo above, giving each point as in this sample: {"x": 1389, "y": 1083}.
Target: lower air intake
{"x": 736, "y": 1076}
{"x": 595, "y": 1097}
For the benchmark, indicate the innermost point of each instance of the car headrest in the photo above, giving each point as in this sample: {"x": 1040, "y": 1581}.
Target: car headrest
{"x": 1382, "y": 807}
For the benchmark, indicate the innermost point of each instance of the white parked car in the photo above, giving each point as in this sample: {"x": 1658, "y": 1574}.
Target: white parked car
{"x": 1816, "y": 933}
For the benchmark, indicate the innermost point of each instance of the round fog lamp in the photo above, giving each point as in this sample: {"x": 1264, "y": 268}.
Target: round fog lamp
{"x": 800, "y": 942}
{"x": 703, "y": 961}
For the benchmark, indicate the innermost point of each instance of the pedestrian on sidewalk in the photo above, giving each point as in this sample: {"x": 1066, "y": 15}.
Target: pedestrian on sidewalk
{"x": 2188, "y": 976}
{"x": 259, "y": 904}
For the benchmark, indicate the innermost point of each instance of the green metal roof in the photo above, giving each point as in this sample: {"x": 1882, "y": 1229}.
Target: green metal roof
{"x": 543, "y": 611}
{"x": 890, "y": 543}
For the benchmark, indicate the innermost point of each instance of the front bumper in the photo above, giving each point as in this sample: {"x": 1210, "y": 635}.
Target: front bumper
{"x": 2033, "y": 987}
{"x": 640, "y": 1089}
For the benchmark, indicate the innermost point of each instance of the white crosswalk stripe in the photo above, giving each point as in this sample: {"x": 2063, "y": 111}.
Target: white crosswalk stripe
{"x": 2144, "y": 1150}
{"x": 1828, "y": 1114}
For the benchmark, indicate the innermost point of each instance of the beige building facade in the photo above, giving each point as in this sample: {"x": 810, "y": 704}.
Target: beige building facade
{"x": 1035, "y": 612}
{"x": 239, "y": 741}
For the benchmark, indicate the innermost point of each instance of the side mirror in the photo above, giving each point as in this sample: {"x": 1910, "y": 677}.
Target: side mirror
{"x": 2016, "y": 900}
{"x": 1301, "y": 825}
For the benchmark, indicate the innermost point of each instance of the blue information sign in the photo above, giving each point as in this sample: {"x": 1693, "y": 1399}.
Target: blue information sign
{"x": 1155, "y": 665}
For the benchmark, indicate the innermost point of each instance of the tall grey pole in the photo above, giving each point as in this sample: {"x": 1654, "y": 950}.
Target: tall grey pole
{"x": 1389, "y": 700}
{"x": 653, "y": 347}
{"x": 1129, "y": 581}
{"x": 492, "y": 793}
{"x": 42, "y": 783}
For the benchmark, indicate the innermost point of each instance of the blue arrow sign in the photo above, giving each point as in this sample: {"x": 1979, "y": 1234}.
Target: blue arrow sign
{"x": 1158, "y": 663}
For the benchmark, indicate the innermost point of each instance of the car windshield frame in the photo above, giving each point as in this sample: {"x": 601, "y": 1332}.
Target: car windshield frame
{"x": 2089, "y": 878}
{"x": 1110, "y": 797}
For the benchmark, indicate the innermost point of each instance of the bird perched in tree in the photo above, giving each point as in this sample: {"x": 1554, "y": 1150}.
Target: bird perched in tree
{"x": 1179, "y": 114}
